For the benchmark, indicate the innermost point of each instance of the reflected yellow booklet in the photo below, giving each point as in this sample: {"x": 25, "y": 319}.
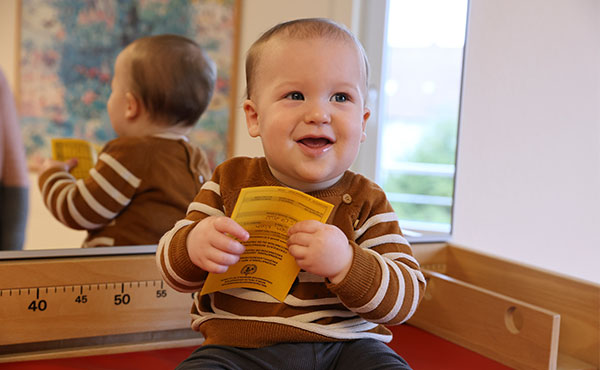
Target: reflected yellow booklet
{"x": 267, "y": 212}
{"x": 64, "y": 149}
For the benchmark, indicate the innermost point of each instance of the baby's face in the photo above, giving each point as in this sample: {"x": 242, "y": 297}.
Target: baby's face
{"x": 117, "y": 102}
{"x": 308, "y": 107}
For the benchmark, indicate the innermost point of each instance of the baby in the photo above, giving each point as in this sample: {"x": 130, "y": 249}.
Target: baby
{"x": 145, "y": 178}
{"x": 306, "y": 88}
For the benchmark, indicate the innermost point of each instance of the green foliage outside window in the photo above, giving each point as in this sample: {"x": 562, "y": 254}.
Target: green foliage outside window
{"x": 438, "y": 146}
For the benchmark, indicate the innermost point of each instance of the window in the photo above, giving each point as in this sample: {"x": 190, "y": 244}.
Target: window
{"x": 415, "y": 48}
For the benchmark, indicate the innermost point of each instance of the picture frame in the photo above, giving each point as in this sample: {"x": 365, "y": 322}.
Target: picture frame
{"x": 66, "y": 57}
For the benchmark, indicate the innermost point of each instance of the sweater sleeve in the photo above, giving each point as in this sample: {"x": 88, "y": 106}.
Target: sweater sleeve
{"x": 92, "y": 203}
{"x": 384, "y": 284}
{"x": 172, "y": 257}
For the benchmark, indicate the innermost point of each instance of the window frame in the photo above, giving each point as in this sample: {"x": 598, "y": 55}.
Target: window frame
{"x": 372, "y": 33}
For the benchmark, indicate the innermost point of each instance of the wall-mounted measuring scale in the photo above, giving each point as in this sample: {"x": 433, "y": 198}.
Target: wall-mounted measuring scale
{"x": 52, "y": 306}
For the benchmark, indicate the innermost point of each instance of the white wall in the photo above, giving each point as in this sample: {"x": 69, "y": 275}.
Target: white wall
{"x": 528, "y": 179}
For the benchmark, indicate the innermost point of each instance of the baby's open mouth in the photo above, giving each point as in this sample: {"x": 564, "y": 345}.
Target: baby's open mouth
{"x": 315, "y": 142}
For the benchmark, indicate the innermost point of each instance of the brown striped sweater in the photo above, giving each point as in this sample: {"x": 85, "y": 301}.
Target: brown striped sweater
{"x": 383, "y": 287}
{"x": 137, "y": 190}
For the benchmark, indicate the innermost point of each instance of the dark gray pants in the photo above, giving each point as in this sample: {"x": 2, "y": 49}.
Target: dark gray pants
{"x": 14, "y": 207}
{"x": 362, "y": 354}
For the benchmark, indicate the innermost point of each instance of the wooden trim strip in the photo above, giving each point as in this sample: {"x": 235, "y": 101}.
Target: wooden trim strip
{"x": 505, "y": 329}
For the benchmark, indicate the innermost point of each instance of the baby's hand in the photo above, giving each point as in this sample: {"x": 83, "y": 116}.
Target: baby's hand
{"x": 320, "y": 249}
{"x": 52, "y": 163}
{"x": 211, "y": 244}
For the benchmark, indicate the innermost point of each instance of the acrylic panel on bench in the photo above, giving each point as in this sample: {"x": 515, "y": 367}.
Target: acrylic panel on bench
{"x": 67, "y": 53}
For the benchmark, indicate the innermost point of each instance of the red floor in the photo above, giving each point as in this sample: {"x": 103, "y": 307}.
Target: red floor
{"x": 425, "y": 351}
{"x": 422, "y": 350}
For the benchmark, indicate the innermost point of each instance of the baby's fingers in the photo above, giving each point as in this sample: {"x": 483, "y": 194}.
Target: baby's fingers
{"x": 306, "y": 226}
{"x": 219, "y": 261}
{"x": 226, "y": 225}
{"x": 299, "y": 238}
{"x": 71, "y": 163}
{"x": 227, "y": 244}
{"x": 215, "y": 268}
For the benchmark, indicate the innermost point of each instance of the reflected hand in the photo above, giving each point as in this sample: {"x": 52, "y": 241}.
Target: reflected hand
{"x": 211, "y": 244}
{"x": 50, "y": 163}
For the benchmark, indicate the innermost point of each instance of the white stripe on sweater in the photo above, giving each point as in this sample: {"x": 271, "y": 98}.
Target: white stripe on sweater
{"x": 383, "y": 287}
{"x": 109, "y": 188}
{"x": 416, "y": 292}
{"x": 212, "y": 186}
{"x": 162, "y": 254}
{"x": 203, "y": 208}
{"x": 317, "y": 315}
{"x": 60, "y": 201}
{"x": 374, "y": 220}
{"x": 401, "y": 295}
{"x": 384, "y": 239}
{"x": 398, "y": 256}
{"x": 52, "y": 190}
{"x": 325, "y": 330}
{"x": 93, "y": 203}
{"x": 50, "y": 179}
{"x": 101, "y": 241}
{"x": 120, "y": 169}
{"x": 77, "y": 217}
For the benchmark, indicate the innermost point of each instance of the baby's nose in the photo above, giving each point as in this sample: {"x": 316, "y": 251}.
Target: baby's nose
{"x": 317, "y": 113}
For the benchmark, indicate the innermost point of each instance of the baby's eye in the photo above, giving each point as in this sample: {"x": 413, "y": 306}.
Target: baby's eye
{"x": 340, "y": 97}
{"x": 295, "y": 96}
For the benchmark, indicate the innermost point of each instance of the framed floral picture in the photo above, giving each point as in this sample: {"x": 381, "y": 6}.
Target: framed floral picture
{"x": 67, "y": 54}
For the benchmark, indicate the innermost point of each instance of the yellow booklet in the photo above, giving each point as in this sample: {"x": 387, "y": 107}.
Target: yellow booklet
{"x": 64, "y": 149}
{"x": 267, "y": 212}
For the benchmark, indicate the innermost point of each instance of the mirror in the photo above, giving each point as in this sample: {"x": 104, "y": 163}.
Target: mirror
{"x": 65, "y": 65}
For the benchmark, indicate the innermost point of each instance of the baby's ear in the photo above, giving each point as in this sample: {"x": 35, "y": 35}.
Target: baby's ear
{"x": 251, "y": 118}
{"x": 134, "y": 106}
{"x": 366, "y": 115}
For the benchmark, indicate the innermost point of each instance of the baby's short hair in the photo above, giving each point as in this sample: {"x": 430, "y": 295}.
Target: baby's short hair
{"x": 300, "y": 29}
{"x": 173, "y": 77}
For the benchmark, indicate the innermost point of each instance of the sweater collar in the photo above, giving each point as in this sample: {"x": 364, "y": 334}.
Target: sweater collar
{"x": 336, "y": 189}
{"x": 171, "y": 136}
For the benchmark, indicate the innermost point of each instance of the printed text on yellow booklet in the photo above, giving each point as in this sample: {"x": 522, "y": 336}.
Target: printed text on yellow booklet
{"x": 267, "y": 212}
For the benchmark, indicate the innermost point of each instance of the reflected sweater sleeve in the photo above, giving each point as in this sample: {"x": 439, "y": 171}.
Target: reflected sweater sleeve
{"x": 91, "y": 203}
